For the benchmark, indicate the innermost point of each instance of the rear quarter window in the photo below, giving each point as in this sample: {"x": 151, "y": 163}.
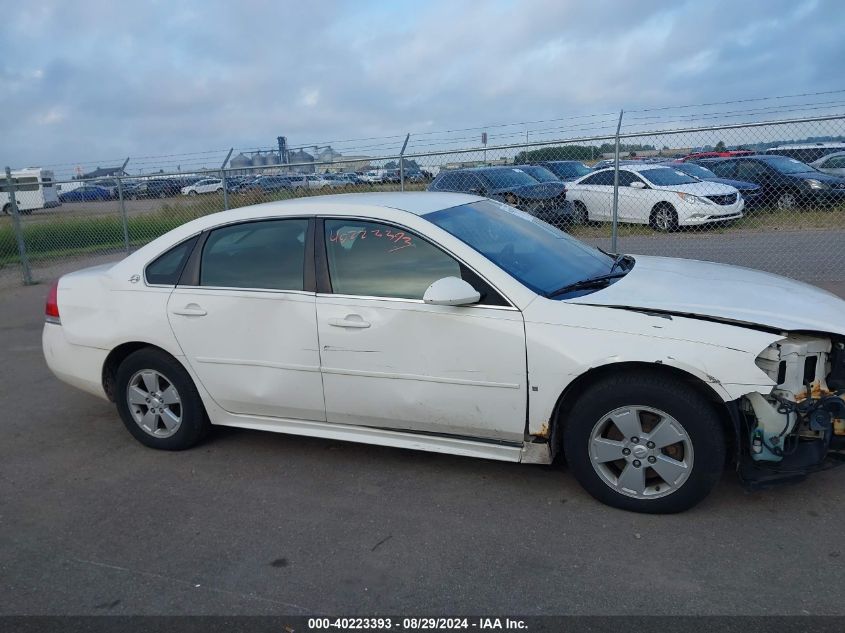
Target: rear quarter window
{"x": 166, "y": 269}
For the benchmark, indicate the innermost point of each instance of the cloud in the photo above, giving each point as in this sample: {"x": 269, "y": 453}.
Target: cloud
{"x": 92, "y": 80}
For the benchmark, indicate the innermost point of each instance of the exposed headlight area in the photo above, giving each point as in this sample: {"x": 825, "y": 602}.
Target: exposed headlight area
{"x": 804, "y": 415}
{"x": 691, "y": 199}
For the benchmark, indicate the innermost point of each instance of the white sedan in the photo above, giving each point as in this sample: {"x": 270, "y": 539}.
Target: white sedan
{"x": 833, "y": 164}
{"x": 662, "y": 197}
{"x": 453, "y": 323}
{"x": 207, "y": 185}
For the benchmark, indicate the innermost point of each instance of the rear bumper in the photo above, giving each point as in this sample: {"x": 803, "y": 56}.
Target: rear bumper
{"x": 76, "y": 365}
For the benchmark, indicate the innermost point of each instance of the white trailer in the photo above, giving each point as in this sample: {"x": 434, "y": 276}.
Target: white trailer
{"x": 34, "y": 189}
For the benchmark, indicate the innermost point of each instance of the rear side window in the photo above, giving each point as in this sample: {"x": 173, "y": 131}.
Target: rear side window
{"x": 601, "y": 178}
{"x": 268, "y": 254}
{"x": 166, "y": 269}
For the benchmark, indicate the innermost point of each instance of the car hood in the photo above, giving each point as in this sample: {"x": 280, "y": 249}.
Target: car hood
{"x": 723, "y": 292}
{"x": 705, "y": 188}
{"x": 821, "y": 176}
{"x": 540, "y": 191}
{"x": 736, "y": 184}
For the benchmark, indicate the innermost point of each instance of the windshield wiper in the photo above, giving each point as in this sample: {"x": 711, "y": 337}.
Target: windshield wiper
{"x": 619, "y": 259}
{"x": 599, "y": 281}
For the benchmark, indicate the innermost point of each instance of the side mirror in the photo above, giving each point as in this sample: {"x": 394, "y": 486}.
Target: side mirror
{"x": 637, "y": 184}
{"x": 451, "y": 291}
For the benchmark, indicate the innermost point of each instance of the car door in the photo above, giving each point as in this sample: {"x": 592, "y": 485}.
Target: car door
{"x": 758, "y": 173}
{"x": 596, "y": 192}
{"x": 635, "y": 203}
{"x": 246, "y": 319}
{"x": 391, "y": 361}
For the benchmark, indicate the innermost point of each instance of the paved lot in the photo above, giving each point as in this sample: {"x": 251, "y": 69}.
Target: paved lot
{"x": 91, "y": 522}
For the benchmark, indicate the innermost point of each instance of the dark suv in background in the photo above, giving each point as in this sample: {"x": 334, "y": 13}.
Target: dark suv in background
{"x": 512, "y": 186}
{"x": 567, "y": 170}
{"x": 784, "y": 182}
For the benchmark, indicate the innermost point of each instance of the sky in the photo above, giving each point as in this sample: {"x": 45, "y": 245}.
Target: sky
{"x": 87, "y": 82}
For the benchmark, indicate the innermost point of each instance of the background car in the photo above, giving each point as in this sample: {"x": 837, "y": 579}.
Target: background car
{"x": 833, "y": 164}
{"x": 806, "y": 152}
{"x": 539, "y": 173}
{"x": 750, "y": 192}
{"x": 566, "y": 170}
{"x": 207, "y": 185}
{"x": 85, "y": 193}
{"x": 728, "y": 153}
{"x": 656, "y": 195}
{"x": 267, "y": 184}
{"x": 784, "y": 182}
{"x": 511, "y": 185}
{"x": 110, "y": 185}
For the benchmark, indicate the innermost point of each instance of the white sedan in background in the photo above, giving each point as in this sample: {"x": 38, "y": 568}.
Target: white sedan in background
{"x": 662, "y": 197}
{"x": 207, "y": 185}
{"x": 452, "y": 323}
{"x": 833, "y": 164}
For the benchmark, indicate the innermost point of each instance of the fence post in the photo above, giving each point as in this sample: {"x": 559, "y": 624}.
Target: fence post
{"x": 223, "y": 178}
{"x": 615, "y": 225}
{"x": 402, "y": 163}
{"x": 123, "y": 217}
{"x": 16, "y": 224}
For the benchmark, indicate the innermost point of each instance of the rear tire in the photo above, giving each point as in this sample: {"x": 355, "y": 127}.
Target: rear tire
{"x": 581, "y": 215}
{"x": 158, "y": 401}
{"x": 669, "y": 439}
{"x": 7, "y": 209}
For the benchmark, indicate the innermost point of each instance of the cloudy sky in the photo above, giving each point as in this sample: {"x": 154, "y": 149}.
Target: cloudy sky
{"x": 83, "y": 82}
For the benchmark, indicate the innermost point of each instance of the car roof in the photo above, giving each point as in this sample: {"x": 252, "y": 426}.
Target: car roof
{"x": 646, "y": 166}
{"x": 480, "y": 169}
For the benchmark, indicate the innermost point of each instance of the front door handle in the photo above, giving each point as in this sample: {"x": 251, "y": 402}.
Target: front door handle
{"x": 351, "y": 320}
{"x": 192, "y": 309}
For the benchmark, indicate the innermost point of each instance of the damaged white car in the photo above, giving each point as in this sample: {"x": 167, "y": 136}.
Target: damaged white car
{"x": 452, "y": 323}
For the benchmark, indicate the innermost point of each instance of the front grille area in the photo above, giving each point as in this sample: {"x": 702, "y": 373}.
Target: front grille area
{"x": 723, "y": 200}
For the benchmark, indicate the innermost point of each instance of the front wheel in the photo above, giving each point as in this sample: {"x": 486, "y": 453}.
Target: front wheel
{"x": 645, "y": 442}
{"x": 158, "y": 402}
{"x": 192, "y": 193}
{"x": 787, "y": 201}
{"x": 664, "y": 218}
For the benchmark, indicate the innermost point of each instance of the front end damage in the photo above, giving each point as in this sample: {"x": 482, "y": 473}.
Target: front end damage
{"x": 799, "y": 427}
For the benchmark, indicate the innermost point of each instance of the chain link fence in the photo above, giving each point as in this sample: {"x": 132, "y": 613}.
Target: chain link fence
{"x": 765, "y": 195}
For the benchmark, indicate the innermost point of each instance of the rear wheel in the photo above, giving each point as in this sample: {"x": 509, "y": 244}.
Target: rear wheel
{"x": 581, "y": 215}
{"x": 192, "y": 192}
{"x": 664, "y": 218}
{"x": 645, "y": 442}
{"x": 158, "y": 402}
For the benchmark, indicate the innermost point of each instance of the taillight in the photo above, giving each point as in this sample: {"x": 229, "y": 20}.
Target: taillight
{"x": 52, "y": 310}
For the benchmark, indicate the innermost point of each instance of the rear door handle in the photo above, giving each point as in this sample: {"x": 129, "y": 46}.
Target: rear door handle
{"x": 351, "y": 320}
{"x": 192, "y": 309}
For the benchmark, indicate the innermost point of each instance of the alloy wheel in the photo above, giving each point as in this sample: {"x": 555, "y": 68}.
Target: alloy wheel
{"x": 786, "y": 201}
{"x": 154, "y": 403}
{"x": 641, "y": 452}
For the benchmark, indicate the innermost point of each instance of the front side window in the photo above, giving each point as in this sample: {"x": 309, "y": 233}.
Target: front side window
{"x": 751, "y": 170}
{"x": 268, "y": 254}
{"x": 507, "y": 178}
{"x": 378, "y": 260}
{"x": 788, "y": 165}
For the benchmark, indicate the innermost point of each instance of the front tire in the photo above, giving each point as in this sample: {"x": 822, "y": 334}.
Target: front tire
{"x": 645, "y": 442}
{"x": 664, "y": 218}
{"x": 158, "y": 402}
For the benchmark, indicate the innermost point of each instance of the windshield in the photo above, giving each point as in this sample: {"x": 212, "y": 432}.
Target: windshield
{"x": 698, "y": 171}
{"x": 569, "y": 170}
{"x": 788, "y": 165}
{"x": 505, "y": 178}
{"x": 666, "y": 177}
{"x": 540, "y": 174}
{"x": 536, "y": 254}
